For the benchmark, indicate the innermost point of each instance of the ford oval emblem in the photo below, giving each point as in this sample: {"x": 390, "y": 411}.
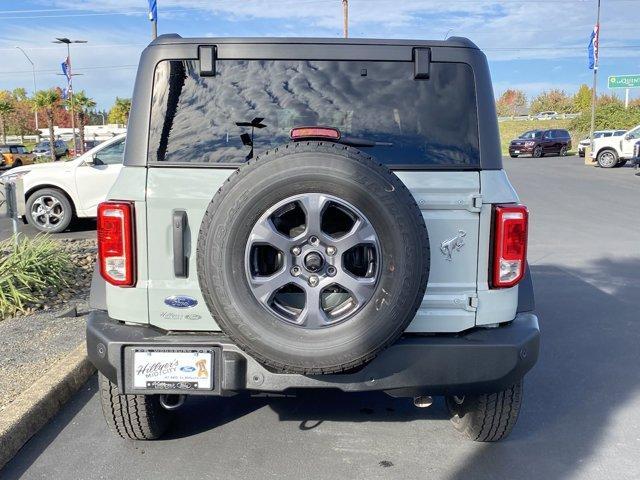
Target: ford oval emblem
{"x": 188, "y": 369}
{"x": 180, "y": 301}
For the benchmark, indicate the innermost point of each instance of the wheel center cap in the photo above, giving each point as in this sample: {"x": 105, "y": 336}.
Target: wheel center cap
{"x": 313, "y": 262}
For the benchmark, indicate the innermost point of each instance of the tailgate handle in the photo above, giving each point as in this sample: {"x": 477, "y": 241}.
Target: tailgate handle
{"x": 179, "y": 232}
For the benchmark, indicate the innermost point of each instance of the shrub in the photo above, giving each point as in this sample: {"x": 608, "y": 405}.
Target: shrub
{"x": 610, "y": 115}
{"x": 29, "y": 270}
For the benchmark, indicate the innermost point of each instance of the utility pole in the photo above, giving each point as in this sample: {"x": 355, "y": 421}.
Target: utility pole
{"x": 70, "y": 89}
{"x": 594, "y": 96}
{"x": 345, "y": 16}
{"x": 35, "y": 89}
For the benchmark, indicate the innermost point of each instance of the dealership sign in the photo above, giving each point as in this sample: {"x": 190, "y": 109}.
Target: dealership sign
{"x": 624, "y": 81}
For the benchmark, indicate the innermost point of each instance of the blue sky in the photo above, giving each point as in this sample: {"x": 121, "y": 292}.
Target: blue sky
{"x": 531, "y": 44}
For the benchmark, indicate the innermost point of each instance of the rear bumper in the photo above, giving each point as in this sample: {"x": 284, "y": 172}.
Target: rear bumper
{"x": 478, "y": 361}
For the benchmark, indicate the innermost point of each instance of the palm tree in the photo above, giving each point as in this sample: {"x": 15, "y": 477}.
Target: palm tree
{"x": 6, "y": 107}
{"x": 47, "y": 101}
{"x": 119, "y": 113}
{"x": 82, "y": 106}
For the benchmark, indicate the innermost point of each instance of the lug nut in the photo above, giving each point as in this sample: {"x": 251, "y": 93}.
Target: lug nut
{"x": 331, "y": 271}
{"x": 313, "y": 240}
{"x": 331, "y": 250}
{"x": 313, "y": 281}
{"x": 295, "y": 271}
{"x": 296, "y": 250}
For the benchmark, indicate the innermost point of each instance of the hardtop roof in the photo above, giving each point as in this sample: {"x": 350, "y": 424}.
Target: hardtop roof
{"x": 174, "y": 38}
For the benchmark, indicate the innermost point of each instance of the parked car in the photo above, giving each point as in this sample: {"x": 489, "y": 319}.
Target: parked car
{"x": 285, "y": 241}
{"x": 14, "y": 156}
{"x": 547, "y": 115}
{"x": 586, "y": 142}
{"x": 88, "y": 145}
{"x": 636, "y": 154}
{"x": 538, "y": 143}
{"x": 43, "y": 149}
{"x": 612, "y": 152}
{"x": 56, "y": 193}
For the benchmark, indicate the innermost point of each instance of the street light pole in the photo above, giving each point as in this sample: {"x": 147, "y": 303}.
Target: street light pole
{"x": 35, "y": 89}
{"x": 345, "y": 17}
{"x": 594, "y": 96}
{"x": 70, "y": 80}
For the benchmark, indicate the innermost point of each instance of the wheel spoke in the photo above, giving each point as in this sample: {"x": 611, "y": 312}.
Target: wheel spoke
{"x": 313, "y": 316}
{"x": 362, "y": 232}
{"x": 265, "y": 287}
{"x": 265, "y": 232}
{"x": 360, "y": 288}
{"x": 313, "y": 204}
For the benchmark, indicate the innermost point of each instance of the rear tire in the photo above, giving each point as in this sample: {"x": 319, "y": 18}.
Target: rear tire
{"x": 132, "y": 417}
{"x": 563, "y": 151}
{"x": 488, "y": 417}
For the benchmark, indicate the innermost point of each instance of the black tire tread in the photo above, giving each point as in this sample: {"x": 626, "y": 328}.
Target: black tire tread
{"x": 489, "y": 417}
{"x": 318, "y": 146}
{"x": 132, "y": 417}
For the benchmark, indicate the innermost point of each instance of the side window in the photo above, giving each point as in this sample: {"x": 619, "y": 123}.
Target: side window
{"x": 634, "y": 134}
{"x": 13, "y": 149}
{"x": 113, "y": 154}
{"x": 550, "y": 134}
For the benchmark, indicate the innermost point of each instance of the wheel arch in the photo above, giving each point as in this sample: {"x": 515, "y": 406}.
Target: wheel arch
{"x": 43, "y": 186}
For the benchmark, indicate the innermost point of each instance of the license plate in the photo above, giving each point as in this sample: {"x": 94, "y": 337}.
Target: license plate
{"x": 173, "y": 368}
{"x": 516, "y": 151}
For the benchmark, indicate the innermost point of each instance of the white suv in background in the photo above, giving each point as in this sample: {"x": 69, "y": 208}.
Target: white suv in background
{"x": 612, "y": 152}
{"x": 582, "y": 146}
{"x": 56, "y": 193}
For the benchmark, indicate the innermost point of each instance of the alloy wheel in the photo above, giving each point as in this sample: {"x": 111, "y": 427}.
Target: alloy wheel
{"x": 313, "y": 260}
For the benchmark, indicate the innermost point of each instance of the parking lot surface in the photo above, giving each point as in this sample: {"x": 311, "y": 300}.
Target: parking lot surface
{"x": 580, "y": 418}
{"x": 80, "y": 229}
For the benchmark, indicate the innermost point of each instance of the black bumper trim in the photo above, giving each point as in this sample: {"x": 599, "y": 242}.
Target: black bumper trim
{"x": 481, "y": 360}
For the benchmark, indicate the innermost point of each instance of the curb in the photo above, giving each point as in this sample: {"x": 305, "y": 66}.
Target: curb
{"x": 34, "y": 407}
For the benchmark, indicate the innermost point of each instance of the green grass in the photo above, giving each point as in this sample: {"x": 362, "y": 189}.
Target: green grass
{"x": 30, "y": 270}
{"x": 510, "y": 129}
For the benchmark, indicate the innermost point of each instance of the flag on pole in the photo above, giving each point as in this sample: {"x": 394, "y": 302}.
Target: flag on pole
{"x": 593, "y": 47}
{"x": 153, "y": 10}
{"x": 66, "y": 68}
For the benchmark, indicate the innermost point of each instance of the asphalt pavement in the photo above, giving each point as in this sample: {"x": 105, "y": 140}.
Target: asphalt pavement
{"x": 79, "y": 229}
{"x": 581, "y": 413}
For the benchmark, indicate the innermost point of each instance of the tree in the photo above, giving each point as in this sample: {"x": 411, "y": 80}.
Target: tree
{"x": 82, "y": 105}
{"x": 48, "y": 101}
{"x": 119, "y": 113}
{"x": 582, "y": 99}
{"x": 511, "y": 102}
{"x": 6, "y": 109}
{"x": 553, "y": 100}
{"x": 606, "y": 99}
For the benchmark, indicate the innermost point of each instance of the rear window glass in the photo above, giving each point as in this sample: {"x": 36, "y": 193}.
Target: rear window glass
{"x": 414, "y": 122}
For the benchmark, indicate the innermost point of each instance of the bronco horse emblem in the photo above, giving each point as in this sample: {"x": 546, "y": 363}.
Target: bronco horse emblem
{"x": 453, "y": 244}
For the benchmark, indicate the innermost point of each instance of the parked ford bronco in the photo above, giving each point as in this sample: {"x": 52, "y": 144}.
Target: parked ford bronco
{"x": 312, "y": 213}
{"x": 611, "y": 152}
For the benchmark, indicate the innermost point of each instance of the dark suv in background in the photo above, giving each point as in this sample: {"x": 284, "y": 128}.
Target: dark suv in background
{"x": 537, "y": 143}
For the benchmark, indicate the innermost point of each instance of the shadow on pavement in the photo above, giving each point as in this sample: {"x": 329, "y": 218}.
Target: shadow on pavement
{"x": 310, "y": 408}
{"x": 41, "y": 440}
{"x": 588, "y": 368}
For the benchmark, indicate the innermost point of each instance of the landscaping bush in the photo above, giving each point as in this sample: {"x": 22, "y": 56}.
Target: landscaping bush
{"x": 29, "y": 271}
{"x": 609, "y": 116}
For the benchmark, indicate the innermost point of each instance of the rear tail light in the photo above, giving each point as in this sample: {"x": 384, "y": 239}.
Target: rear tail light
{"x": 300, "y": 133}
{"x": 510, "y": 229}
{"x": 115, "y": 243}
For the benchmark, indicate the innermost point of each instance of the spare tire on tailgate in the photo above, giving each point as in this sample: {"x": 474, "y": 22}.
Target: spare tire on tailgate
{"x": 313, "y": 257}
